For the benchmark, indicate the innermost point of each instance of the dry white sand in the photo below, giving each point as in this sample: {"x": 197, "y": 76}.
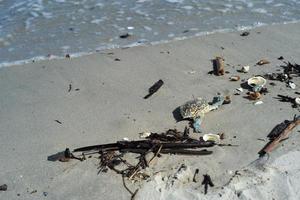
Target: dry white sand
{"x": 109, "y": 106}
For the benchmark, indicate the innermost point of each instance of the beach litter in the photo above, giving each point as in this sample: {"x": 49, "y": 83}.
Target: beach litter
{"x": 295, "y": 101}
{"x": 218, "y": 64}
{"x": 207, "y": 182}
{"x": 246, "y": 33}
{"x": 279, "y": 133}
{"x": 211, "y": 138}
{"x": 244, "y": 69}
{"x": 292, "y": 85}
{"x": 197, "y": 108}
{"x": 154, "y": 88}
{"x": 263, "y": 62}
{"x": 169, "y": 142}
{"x": 257, "y": 83}
{"x": 234, "y": 78}
{"x": 3, "y": 187}
{"x": 195, "y": 174}
{"x": 258, "y": 103}
{"x": 124, "y": 36}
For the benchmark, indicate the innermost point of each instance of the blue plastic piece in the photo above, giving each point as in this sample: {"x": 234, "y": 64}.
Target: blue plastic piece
{"x": 197, "y": 125}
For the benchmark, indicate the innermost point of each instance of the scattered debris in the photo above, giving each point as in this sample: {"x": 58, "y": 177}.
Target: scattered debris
{"x": 207, "y": 181}
{"x": 258, "y": 103}
{"x": 280, "y": 58}
{"x": 246, "y": 33}
{"x": 211, "y": 138}
{"x": 263, "y": 62}
{"x": 45, "y": 194}
{"x": 197, "y": 108}
{"x": 124, "y": 36}
{"x": 240, "y": 89}
{"x": 195, "y": 174}
{"x": 68, "y": 155}
{"x": 218, "y": 64}
{"x": 289, "y": 72}
{"x": 58, "y": 121}
{"x": 70, "y": 88}
{"x": 3, "y": 187}
{"x": 279, "y": 133}
{"x": 257, "y": 83}
{"x": 144, "y": 134}
{"x": 292, "y": 85}
{"x": 117, "y": 59}
{"x": 254, "y": 95}
{"x": 244, "y": 69}
{"x": 33, "y": 191}
{"x": 235, "y": 78}
{"x": 295, "y": 101}
{"x": 154, "y": 88}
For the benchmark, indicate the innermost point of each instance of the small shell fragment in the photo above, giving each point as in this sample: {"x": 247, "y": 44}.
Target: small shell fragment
{"x": 258, "y": 103}
{"x": 125, "y": 139}
{"x": 263, "y": 62}
{"x": 297, "y": 100}
{"x": 292, "y": 85}
{"x": 234, "y": 78}
{"x": 144, "y": 134}
{"x": 211, "y": 137}
{"x": 245, "y": 69}
{"x": 240, "y": 89}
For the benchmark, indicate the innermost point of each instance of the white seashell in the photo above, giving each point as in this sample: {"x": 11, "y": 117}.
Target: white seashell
{"x": 144, "y": 134}
{"x": 258, "y": 103}
{"x": 240, "y": 89}
{"x": 297, "y": 100}
{"x": 211, "y": 137}
{"x": 125, "y": 139}
{"x": 292, "y": 85}
{"x": 245, "y": 69}
{"x": 257, "y": 81}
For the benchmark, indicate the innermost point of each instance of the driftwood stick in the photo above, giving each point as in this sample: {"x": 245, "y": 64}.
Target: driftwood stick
{"x": 156, "y": 154}
{"x": 142, "y": 144}
{"x": 283, "y": 135}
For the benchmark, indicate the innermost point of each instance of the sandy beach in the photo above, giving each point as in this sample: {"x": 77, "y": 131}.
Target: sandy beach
{"x": 41, "y": 115}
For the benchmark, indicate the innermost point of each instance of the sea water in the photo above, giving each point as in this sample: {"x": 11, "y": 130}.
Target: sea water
{"x": 43, "y": 29}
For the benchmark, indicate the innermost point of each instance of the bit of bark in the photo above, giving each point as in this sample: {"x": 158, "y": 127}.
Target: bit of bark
{"x": 154, "y": 88}
{"x": 218, "y": 63}
{"x": 279, "y": 133}
{"x": 195, "y": 174}
{"x": 207, "y": 181}
{"x": 3, "y": 187}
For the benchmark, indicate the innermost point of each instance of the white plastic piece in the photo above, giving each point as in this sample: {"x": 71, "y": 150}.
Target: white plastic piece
{"x": 144, "y": 134}
{"x": 212, "y": 137}
{"x": 258, "y": 102}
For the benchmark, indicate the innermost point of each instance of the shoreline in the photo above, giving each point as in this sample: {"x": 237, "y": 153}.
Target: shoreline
{"x": 136, "y": 44}
{"x": 105, "y": 104}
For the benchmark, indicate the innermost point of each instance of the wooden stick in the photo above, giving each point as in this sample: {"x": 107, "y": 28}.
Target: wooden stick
{"x": 284, "y": 134}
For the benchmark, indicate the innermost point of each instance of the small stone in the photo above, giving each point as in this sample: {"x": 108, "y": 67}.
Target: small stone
{"x": 3, "y": 187}
{"x": 246, "y": 33}
{"x": 263, "y": 62}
